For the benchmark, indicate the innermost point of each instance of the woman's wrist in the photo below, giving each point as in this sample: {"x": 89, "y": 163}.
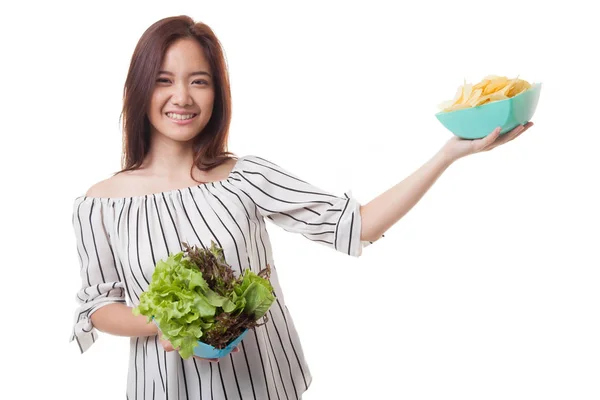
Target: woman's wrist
{"x": 445, "y": 157}
{"x": 150, "y": 329}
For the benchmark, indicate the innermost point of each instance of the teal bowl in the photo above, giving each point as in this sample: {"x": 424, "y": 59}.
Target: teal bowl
{"x": 478, "y": 122}
{"x": 207, "y": 351}
{"x": 204, "y": 350}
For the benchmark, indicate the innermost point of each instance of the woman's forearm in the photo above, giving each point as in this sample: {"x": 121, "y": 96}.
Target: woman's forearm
{"x": 386, "y": 209}
{"x": 117, "y": 319}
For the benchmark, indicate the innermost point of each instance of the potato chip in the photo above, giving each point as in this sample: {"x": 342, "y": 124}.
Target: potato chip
{"x": 466, "y": 93}
{"x": 474, "y": 97}
{"x": 489, "y": 89}
{"x": 482, "y": 85}
{"x": 497, "y": 84}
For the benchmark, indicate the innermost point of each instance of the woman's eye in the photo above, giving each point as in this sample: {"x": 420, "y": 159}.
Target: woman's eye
{"x": 165, "y": 80}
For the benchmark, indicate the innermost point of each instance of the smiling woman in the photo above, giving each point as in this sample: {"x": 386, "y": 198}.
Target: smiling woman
{"x": 176, "y": 116}
{"x": 177, "y": 86}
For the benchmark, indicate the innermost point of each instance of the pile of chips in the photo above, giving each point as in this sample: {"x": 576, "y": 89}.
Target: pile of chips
{"x": 491, "y": 88}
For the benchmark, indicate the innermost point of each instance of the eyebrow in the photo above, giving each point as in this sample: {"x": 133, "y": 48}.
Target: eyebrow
{"x": 192, "y": 74}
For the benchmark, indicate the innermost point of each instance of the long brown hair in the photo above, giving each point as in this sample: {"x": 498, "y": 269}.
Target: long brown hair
{"x": 210, "y": 145}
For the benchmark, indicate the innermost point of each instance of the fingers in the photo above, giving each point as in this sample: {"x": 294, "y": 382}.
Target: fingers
{"x": 515, "y": 133}
{"x": 236, "y": 350}
{"x": 167, "y": 345}
{"x": 491, "y": 138}
{"x": 511, "y": 135}
{"x": 482, "y": 144}
{"x": 507, "y": 137}
{"x": 170, "y": 347}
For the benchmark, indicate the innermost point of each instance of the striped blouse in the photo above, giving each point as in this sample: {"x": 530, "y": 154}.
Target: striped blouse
{"x": 120, "y": 240}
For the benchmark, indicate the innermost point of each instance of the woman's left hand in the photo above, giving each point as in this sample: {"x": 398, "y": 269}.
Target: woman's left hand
{"x": 456, "y": 147}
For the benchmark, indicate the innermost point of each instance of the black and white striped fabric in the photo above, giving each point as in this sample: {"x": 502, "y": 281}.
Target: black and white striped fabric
{"x": 120, "y": 240}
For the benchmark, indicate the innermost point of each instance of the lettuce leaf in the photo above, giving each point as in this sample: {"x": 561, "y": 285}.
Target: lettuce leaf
{"x": 257, "y": 293}
{"x": 258, "y": 300}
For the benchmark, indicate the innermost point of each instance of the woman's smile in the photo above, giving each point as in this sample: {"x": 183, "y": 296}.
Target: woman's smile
{"x": 182, "y": 119}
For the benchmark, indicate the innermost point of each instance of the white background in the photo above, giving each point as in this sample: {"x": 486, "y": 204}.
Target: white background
{"x": 487, "y": 289}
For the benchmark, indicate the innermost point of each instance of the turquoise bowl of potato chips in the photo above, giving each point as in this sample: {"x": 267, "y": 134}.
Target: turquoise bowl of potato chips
{"x": 475, "y": 112}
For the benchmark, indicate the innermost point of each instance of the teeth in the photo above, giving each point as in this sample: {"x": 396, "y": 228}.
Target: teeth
{"x": 180, "y": 116}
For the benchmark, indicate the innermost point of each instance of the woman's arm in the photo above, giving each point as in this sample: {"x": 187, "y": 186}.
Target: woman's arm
{"x": 118, "y": 319}
{"x": 386, "y": 209}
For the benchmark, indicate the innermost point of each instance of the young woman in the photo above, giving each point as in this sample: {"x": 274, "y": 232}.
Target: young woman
{"x": 180, "y": 184}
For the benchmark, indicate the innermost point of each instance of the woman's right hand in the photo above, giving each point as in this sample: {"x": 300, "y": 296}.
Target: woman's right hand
{"x": 169, "y": 347}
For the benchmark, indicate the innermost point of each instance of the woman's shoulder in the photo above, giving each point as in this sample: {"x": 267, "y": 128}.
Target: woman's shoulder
{"x": 139, "y": 182}
{"x": 131, "y": 183}
{"x": 110, "y": 187}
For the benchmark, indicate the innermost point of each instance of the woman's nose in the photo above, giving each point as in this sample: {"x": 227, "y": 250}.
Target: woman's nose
{"x": 181, "y": 95}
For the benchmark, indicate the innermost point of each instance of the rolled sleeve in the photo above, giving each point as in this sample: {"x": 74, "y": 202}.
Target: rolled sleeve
{"x": 101, "y": 282}
{"x": 300, "y": 207}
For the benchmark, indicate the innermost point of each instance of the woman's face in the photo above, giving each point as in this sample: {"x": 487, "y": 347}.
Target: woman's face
{"x": 183, "y": 96}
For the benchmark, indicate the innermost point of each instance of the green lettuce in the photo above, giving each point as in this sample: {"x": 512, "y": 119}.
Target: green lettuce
{"x": 194, "y": 295}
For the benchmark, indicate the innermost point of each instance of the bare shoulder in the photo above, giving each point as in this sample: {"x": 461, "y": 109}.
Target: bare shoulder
{"x": 140, "y": 182}
{"x": 108, "y": 187}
